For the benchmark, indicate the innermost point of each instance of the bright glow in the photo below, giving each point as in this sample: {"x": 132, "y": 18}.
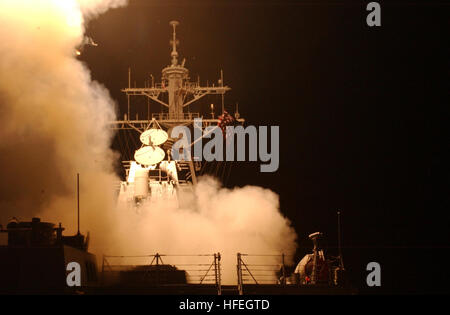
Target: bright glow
{"x": 71, "y": 10}
{"x": 54, "y": 123}
{"x": 55, "y": 114}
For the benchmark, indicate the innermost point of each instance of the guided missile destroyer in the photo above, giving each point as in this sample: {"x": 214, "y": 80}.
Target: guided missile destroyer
{"x": 151, "y": 174}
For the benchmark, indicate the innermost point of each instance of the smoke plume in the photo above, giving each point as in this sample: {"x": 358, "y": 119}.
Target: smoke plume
{"x": 211, "y": 219}
{"x": 54, "y": 124}
{"x": 53, "y": 117}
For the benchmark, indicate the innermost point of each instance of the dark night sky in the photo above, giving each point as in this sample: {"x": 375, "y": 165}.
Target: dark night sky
{"x": 361, "y": 113}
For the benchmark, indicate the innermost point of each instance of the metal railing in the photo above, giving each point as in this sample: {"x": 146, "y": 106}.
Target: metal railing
{"x": 258, "y": 270}
{"x": 199, "y": 269}
{"x": 180, "y": 116}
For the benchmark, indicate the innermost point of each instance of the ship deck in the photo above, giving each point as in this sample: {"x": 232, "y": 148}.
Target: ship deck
{"x": 206, "y": 289}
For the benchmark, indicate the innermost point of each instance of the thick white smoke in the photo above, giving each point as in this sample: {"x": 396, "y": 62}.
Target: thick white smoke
{"x": 92, "y": 8}
{"x": 54, "y": 124}
{"x": 211, "y": 219}
{"x": 53, "y": 119}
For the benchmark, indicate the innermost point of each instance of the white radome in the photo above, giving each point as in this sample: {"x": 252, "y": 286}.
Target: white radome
{"x": 149, "y": 155}
{"x": 157, "y": 137}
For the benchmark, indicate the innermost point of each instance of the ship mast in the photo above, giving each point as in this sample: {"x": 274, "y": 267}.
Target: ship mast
{"x": 175, "y": 82}
{"x": 175, "y": 92}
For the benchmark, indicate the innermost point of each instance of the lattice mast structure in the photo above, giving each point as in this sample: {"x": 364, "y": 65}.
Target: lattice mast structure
{"x": 175, "y": 82}
{"x": 175, "y": 92}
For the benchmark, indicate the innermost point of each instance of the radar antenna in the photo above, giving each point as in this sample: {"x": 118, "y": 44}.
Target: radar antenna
{"x": 174, "y": 42}
{"x": 179, "y": 90}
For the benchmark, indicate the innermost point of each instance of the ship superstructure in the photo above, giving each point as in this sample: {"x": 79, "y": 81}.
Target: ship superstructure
{"x": 153, "y": 174}
{"x": 35, "y": 256}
